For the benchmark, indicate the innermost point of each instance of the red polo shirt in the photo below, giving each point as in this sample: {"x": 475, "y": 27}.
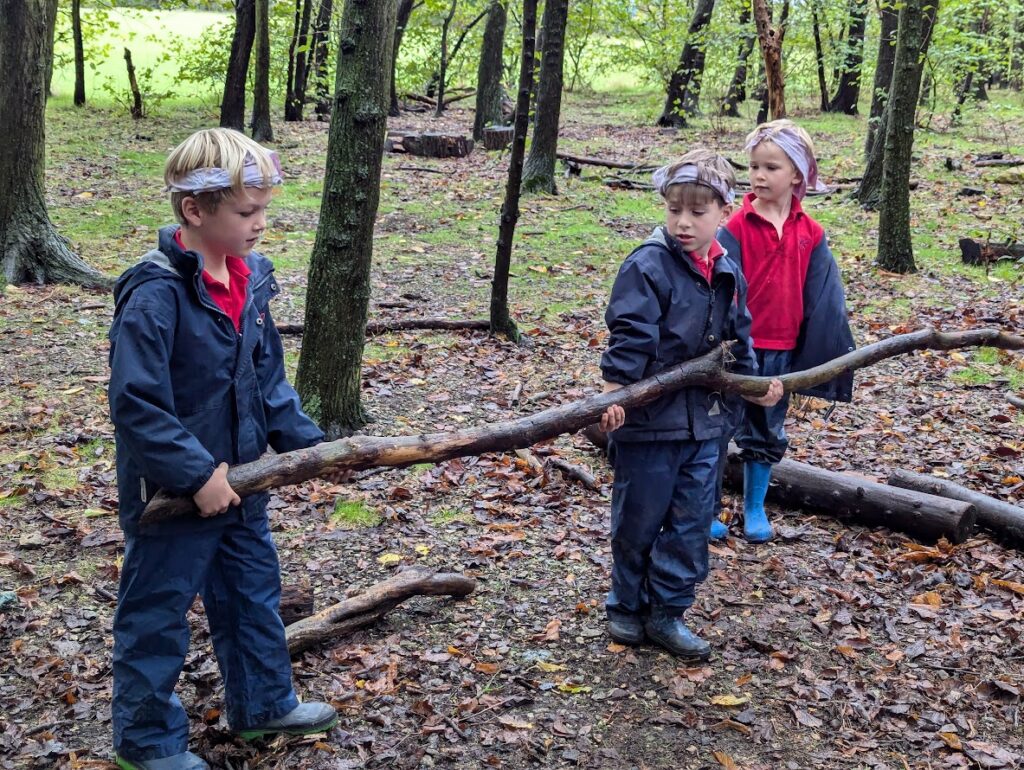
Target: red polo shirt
{"x": 230, "y": 298}
{"x": 707, "y": 266}
{"x": 775, "y": 269}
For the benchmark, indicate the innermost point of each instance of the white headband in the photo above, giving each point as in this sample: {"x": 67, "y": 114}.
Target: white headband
{"x": 689, "y": 173}
{"x": 209, "y": 179}
{"x": 797, "y": 151}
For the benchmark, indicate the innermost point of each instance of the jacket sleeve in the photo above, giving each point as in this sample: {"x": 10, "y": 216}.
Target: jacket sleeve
{"x": 825, "y": 332}
{"x": 633, "y": 313}
{"x": 288, "y": 427}
{"x": 142, "y": 400}
{"x": 743, "y": 350}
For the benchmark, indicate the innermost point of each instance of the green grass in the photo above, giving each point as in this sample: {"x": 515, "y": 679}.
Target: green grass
{"x": 971, "y": 376}
{"x": 354, "y": 514}
{"x": 450, "y": 516}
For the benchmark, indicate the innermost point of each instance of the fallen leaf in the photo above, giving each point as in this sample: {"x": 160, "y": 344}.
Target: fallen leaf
{"x": 1017, "y": 588}
{"x": 729, "y": 700}
{"x": 725, "y": 760}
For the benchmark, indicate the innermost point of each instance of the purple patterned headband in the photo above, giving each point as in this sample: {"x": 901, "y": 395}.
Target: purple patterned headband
{"x": 690, "y": 173}
{"x": 210, "y": 179}
{"x": 798, "y": 152}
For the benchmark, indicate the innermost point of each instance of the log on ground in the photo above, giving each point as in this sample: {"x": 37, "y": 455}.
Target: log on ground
{"x": 434, "y": 145}
{"x": 497, "y": 137}
{"x": 296, "y": 603}
{"x": 371, "y": 605}
{"x": 406, "y": 324}
{"x": 974, "y": 252}
{"x": 924, "y": 516}
{"x": 1000, "y": 517}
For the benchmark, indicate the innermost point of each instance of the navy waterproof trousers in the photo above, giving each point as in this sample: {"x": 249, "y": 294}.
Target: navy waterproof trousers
{"x": 233, "y": 564}
{"x": 662, "y": 502}
{"x": 761, "y": 435}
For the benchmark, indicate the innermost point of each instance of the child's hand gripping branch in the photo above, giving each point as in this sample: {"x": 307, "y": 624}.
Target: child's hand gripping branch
{"x": 614, "y": 416}
{"x": 216, "y": 495}
{"x": 772, "y": 397}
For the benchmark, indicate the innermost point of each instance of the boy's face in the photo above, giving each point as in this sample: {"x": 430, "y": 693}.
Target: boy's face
{"x": 773, "y": 177}
{"x": 235, "y": 227}
{"x": 694, "y": 222}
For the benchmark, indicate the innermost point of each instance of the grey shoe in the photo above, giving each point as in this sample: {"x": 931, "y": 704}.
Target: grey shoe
{"x": 185, "y": 761}
{"x": 626, "y": 630}
{"x": 304, "y": 719}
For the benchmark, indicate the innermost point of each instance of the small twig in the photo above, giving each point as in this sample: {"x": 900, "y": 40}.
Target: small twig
{"x": 531, "y": 460}
{"x": 458, "y": 730}
{"x": 577, "y": 472}
{"x": 516, "y": 393}
{"x": 424, "y": 170}
{"x": 104, "y": 594}
{"x": 1016, "y": 401}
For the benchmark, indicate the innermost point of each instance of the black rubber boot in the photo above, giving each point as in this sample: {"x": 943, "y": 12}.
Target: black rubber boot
{"x": 626, "y": 629}
{"x": 668, "y": 631}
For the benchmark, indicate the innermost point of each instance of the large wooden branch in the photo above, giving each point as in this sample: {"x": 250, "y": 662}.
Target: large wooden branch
{"x": 358, "y": 452}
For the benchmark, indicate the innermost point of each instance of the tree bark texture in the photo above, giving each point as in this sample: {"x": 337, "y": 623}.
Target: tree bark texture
{"x": 771, "y": 50}
{"x": 1001, "y": 517}
{"x": 737, "y": 92}
{"x": 501, "y": 318}
{"x": 298, "y": 56}
{"x": 848, "y": 88}
{"x": 889, "y": 22}
{"x": 232, "y": 105}
{"x": 261, "y": 128}
{"x": 539, "y": 171}
{"x": 925, "y": 516}
{"x": 405, "y": 9}
{"x": 442, "y": 75}
{"x": 76, "y": 34}
{"x": 358, "y": 452}
{"x": 819, "y": 57}
{"x": 320, "y": 45}
{"x": 895, "y": 248}
{"x": 137, "y": 109}
{"x": 488, "y": 76}
{"x": 330, "y": 366}
{"x": 683, "y": 94}
{"x": 31, "y": 249}
{"x": 371, "y": 605}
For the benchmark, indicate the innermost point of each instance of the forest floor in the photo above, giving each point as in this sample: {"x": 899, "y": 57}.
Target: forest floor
{"x": 835, "y": 646}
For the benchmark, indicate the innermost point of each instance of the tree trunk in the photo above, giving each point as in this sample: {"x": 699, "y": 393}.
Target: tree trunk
{"x": 369, "y": 606}
{"x": 443, "y": 73}
{"x": 737, "y": 92}
{"x": 799, "y": 485}
{"x": 261, "y": 128}
{"x": 501, "y": 318}
{"x": 771, "y": 50}
{"x": 683, "y": 94}
{"x": 883, "y": 72}
{"x": 895, "y": 249}
{"x": 405, "y": 9}
{"x": 819, "y": 56}
{"x": 298, "y": 55}
{"x": 488, "y": 77}
{"x": 31, "y": 250}
{"x": 709, "y": 371}
{"x": 848, "y": 89}
{"x": 1002, "y": 518}
{"x": 539, "y": 171}
{"x": 232, "y": 105}
{"x": 329, "y": 375}
{"x": 76, "y": 34}
{"x": 137, "y": 110}
{"x": 320, "y": 47}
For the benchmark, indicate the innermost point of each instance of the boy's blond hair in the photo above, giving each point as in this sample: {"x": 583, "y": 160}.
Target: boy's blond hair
{"x": 711, "y": 167}
{"x": 222, "y": 148}
{"x": 765, "y": 132}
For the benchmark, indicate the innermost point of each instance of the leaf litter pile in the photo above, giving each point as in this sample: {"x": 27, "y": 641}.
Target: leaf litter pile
{"x": 835, "y": 646}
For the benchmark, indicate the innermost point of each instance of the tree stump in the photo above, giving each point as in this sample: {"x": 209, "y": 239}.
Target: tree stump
{"x": 437, "y": 145}
{"x": 497, "y": 137}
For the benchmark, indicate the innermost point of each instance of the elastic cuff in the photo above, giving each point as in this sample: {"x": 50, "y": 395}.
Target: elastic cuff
{"x": 202, "y": 479}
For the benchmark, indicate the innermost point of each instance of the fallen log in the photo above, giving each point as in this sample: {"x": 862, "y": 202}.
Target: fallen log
{"x": 974, "y": 252}
{"x": 360, "y": 452}
{"x": 1016, "y": 401}
{"x": 584, "y": 160}
{"x": 577, "y": 472}
{"x": 925, "y": 516}
{"x": 371, "y": 605}
{"x": 999, "y": 162}
{"x": 433, "y": 145}
{"x": 296, "y": 603}
{"x": 405, "y": 324}
{"x": 1001, "y": 517}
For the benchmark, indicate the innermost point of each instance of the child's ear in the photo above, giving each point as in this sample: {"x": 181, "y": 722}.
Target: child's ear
{"x": 191, "y": 211}
{"x": 727, "y": 210}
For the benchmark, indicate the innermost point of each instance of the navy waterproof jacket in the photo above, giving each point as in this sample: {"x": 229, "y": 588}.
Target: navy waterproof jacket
{"x": 188, "y": 392}
{"x": 663, "y": 312}
{"x": 825, "y": 332}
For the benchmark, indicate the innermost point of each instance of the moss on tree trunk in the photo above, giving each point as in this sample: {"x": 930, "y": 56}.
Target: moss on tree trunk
{"x": 330, "y": 367}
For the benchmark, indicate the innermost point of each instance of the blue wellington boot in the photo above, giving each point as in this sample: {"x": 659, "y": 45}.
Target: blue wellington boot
{"x": 756, "y": 528}
{"x": 718, "y": 530}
